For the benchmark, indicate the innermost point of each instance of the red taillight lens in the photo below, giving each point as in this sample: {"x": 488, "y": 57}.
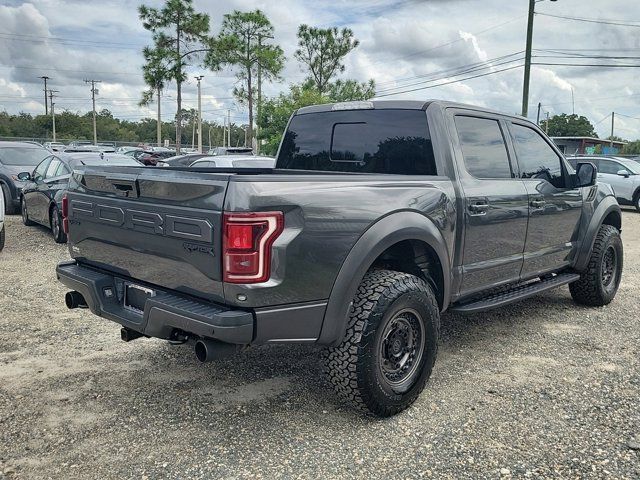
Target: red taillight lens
{"x": 65, "y": 214}
{"x": 65, "y": 207}
{"x": 247, "y": 241}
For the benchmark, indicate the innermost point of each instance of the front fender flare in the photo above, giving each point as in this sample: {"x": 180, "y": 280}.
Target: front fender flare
{"x": 607, "y": 205}
{"x": 383, "y": 234}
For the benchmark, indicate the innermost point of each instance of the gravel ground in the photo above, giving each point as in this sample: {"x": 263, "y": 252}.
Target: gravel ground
{"x": 541, "y": 389}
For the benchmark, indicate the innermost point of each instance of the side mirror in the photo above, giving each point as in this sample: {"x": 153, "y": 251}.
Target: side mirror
{"x": 586, "y": 174}
{"x": 24, "y": 176}
{"x": 623, "y": 173}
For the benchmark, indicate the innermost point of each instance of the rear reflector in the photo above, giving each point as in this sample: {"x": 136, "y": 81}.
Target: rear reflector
{"x": 246, "y": 245}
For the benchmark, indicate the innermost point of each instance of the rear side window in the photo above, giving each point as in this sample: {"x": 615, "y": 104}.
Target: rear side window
{"x": 483, "y": 148}
{"x": 536, "y": 157}
{"x": 367, "y": 141}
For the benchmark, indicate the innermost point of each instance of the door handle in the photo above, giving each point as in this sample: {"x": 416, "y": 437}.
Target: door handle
{"x": 537, "y": 203}
{"x": 478, "y": 208}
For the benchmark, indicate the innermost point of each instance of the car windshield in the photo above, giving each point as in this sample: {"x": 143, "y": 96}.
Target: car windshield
{"x": 24, "y": 156}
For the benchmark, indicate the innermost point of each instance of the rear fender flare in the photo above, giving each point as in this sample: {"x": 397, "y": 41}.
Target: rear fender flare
{"x": 383, "y": 234}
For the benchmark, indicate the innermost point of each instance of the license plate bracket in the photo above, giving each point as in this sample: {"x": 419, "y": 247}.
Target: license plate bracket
{"x": 135, "y": 296}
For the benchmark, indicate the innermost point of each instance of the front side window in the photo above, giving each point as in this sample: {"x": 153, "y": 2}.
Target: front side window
{"x": 536, "y": 157}
{"x": 52, "y": 168}
{"x": 609, "y": 166}
{"x": 38, "y": 173}
{"x": 483, "y": 148}
{"x": 390, "y": 141}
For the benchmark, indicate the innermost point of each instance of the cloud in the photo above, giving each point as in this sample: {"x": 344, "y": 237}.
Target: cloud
{"x": 402, "y": 43}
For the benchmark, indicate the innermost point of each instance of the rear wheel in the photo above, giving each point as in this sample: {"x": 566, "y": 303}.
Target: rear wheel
{"x": 390, "y": 345}
{"x": 56, "y": 226}
{"x": 2, "y": 237}
{"x": 636, "y": 200}
{"x": 599, "y": 283}
{"x": 25, "y": 213}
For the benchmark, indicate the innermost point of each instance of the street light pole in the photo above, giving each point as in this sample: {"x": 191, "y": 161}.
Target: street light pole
{"x": 527, "y": 57}
{"x": 199, "y": 115}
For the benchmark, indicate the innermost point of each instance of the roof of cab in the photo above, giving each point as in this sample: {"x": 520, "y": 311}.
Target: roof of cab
{"x": 397, "y": 104}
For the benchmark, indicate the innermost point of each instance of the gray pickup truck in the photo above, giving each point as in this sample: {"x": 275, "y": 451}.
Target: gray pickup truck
{"x": 378, "y": 217}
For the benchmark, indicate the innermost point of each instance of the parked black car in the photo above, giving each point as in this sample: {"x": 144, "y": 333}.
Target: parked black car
{"x": 15, "y": 157}
{"x": 41, "y": 196}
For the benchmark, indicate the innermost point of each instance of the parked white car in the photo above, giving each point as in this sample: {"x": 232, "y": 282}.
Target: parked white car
{"x": 1, "y": 222}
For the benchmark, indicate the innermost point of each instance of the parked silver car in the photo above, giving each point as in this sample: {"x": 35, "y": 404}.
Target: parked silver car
{"x": 622, "y": 174}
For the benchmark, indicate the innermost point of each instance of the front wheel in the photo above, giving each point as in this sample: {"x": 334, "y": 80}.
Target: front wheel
{"x": 24, "y": 212}
{"x": 9, "y": 207}
{"x": 599, "y": 283}
{"x": 2, "y": 237}
{"x": 56, "y": 226}
{"x": 390, "y": 345}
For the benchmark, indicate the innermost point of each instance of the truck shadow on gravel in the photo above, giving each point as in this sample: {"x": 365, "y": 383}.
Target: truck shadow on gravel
{"x": 290, "y": 378}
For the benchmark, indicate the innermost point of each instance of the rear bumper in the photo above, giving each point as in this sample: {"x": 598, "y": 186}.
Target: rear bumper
{"x": 163, "y": 314}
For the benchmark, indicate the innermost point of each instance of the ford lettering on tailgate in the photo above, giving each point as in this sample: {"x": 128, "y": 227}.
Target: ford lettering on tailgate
{"x": 176, "y": 226}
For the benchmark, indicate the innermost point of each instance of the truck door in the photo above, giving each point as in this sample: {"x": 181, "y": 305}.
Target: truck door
{"x": 554, "y": 204}
{"x": 495, "y": 204}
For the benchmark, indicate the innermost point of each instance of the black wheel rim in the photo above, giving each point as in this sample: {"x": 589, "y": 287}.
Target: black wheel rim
{"x": 401, "y": 349}
{"x": 55, "y": 224}
{"x": 609, "y": 266}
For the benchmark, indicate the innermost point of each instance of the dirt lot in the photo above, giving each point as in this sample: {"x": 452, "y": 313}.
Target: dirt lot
{"x": 540, "y": 389}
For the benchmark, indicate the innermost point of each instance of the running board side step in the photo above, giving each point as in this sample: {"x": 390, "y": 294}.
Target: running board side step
{"x": 514, "y": 294}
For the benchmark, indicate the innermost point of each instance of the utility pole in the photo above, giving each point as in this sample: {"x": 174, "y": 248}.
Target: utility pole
{"x": 573, "y": 103}
{"x": 527, "y": 58}
{"x": 613, "y": 116}
{"x": 53, "y": 112}
{"x": 229, "y": 126}
{"x": 94, "y": 92}
{"x": 46, "y": 109}
{"x": 538, "y": 115}
{"x": 198, "y": 78}
{"x": 546, "y": 125}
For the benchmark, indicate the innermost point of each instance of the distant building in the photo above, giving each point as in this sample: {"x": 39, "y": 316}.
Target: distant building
{"x": 587, "y": 145}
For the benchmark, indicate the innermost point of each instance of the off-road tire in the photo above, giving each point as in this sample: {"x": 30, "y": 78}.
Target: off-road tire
{"x": 591, "y": 289}
{"x": 9, "y": 207}
{"x": 355, "y": 366}
{"x": 25, "y": 212}
{"x": 55, "y": 220}
{"x": 2, "y": 237}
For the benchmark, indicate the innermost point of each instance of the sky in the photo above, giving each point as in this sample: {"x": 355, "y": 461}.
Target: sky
{"x": 405, "y": 46}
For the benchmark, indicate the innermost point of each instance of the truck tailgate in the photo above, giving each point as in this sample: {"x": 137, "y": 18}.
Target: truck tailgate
{"x": 161, "y": 227}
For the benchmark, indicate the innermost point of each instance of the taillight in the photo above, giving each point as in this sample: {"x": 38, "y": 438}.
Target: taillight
{"x": 246, "y": 245}
{"x": 65, "y": 214}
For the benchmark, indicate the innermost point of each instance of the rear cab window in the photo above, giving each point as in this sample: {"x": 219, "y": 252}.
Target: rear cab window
{"x": 391, "y": 141}
{"x": 483, "y": 147}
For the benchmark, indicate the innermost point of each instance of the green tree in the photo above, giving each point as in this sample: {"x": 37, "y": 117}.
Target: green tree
{"x": 322, "y": 51}
{"x": 276, "y": 111}
{"x": 155, "y": 75}
{"x": 564, "y": 125}
{"x": 632, "y": 148}
{"x": 178, "y": 36}
{"x": 241, "y": 44}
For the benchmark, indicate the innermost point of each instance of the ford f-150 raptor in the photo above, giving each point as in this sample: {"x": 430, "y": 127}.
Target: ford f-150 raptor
{"x": 377, "y": 217}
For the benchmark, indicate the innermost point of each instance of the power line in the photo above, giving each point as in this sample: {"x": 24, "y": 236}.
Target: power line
{"x": 461, "y": 72}
{"x": 592, "y": 20}
{"x": 607, "y": 65}
{"x": 452, "y": 81}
